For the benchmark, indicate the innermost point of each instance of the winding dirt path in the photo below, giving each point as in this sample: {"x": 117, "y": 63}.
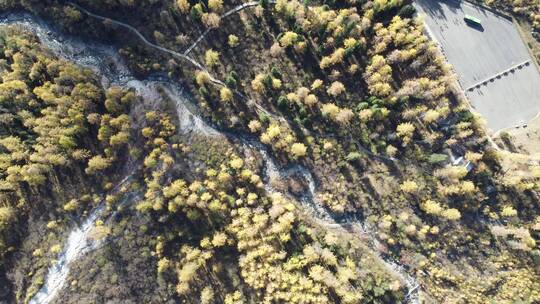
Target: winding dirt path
{"x": 139, "y": 35}
{"x": 185, "y": 57}
{"x": 225, "y": 15}
{"x": 413, "y": 290}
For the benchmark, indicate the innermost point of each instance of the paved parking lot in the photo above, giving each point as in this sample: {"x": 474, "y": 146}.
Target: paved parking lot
{"x": 492, "y": 62}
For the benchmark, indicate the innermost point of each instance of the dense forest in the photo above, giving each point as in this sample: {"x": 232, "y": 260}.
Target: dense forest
{"x": 353, "y": 92}
{"x": 527, "y": 8}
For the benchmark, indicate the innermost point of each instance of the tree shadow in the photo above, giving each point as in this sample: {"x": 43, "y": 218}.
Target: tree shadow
{"x": 436, "y": 8}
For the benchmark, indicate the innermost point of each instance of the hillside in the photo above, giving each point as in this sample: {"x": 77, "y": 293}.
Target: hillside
{"x": 229, "y": 152}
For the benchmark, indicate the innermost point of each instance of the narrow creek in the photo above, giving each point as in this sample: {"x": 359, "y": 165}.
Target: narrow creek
{"x": 105, "y": 62}
{"x": 78, "y": 243}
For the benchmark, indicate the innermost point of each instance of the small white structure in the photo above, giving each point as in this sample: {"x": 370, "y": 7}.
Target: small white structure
{"x": 460, "y": 161}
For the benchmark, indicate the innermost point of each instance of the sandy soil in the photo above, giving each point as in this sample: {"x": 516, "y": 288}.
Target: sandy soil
{"x": 526, "y": 139}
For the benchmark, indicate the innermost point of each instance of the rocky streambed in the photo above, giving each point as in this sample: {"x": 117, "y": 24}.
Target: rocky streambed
{"x": 105, "y": 61}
